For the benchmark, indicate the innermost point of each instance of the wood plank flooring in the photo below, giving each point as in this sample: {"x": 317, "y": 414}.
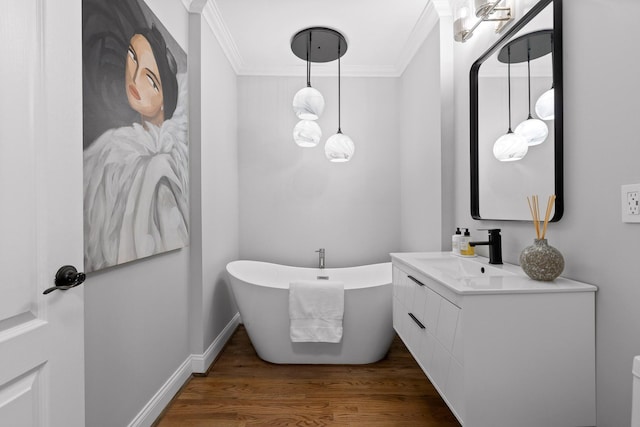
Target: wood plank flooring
{"x": 243, "y": 390}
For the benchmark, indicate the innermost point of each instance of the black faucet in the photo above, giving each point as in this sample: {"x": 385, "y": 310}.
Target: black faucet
{"x": 495, "y": 246}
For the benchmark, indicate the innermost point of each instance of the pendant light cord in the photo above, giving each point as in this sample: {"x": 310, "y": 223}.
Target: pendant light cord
{"x": 529, "y": 75}
{"x": 509, "y": 84}
{"x": 308, "y": 63}
{"x": 339, "y": 130}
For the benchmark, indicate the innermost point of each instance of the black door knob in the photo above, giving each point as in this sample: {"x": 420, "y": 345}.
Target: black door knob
{"x": 67, "y": 277}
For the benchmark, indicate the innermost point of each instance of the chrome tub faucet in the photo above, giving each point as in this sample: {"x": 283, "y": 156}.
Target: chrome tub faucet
{"x": 320, "y": 257}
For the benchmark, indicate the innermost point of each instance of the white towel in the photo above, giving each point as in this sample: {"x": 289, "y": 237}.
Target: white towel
{"x": 316, "y": 309}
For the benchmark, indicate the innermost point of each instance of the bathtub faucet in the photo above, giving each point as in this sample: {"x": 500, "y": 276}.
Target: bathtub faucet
{"x": 320, "y": 257}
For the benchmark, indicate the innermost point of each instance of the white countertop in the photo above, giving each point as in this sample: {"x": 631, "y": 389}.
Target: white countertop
{"x": 480, "y": 277}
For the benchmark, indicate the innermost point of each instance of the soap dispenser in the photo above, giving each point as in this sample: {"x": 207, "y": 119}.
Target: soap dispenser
{"x": 465, "y": 248}
{"x": 455, "y": 241}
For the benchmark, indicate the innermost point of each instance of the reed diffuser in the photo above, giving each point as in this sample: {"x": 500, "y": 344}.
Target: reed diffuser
{"x": 541, "y": 261}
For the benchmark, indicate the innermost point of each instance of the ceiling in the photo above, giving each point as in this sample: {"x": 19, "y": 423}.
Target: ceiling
{"x": 382, "y": 35}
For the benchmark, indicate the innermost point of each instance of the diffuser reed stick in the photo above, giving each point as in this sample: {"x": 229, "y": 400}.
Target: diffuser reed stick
{"x": 534, "y": 208}
{"x": 550, "y": 203}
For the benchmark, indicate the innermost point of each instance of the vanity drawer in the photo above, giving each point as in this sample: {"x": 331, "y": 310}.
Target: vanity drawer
{"x": 432, "y": 310}
{"x": 447, "y": 323}
{"x": 403, "y": 287}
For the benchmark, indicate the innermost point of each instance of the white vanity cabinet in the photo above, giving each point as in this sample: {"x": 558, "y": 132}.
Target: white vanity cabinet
{"x": 501, "y": 351}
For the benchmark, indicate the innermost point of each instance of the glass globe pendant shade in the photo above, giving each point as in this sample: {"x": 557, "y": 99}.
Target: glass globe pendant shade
{"x": 545, "y": 105}
{"x": 535, "y": 131}
{"x": 308, "y": 103}
{"x": 307, "y": 133}
{"x": 339, "y": 148}
{"x": 510, "y": 147}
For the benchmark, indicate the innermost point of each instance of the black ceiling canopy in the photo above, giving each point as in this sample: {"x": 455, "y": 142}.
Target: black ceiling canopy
{"x": 537, "y": 44}
{"x": 322, "y": 44}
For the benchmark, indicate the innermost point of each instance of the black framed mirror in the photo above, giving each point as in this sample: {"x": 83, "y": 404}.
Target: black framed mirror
{"x": 518, "y": 80}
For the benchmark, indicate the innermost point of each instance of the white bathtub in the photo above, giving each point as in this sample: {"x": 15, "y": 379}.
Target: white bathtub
{"x": 261, "y": 291}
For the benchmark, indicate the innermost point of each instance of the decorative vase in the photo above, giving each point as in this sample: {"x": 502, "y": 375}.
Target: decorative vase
{"x": 541, "y": 261}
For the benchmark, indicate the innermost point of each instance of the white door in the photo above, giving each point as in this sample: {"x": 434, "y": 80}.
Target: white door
{"x": 41, "y": 336}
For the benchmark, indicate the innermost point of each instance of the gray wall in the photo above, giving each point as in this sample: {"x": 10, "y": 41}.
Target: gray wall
{"x": 601, "y": 152}
{"x": 220, "y": 206}
{"x": 216, "y": 165}
{"x": 421, "y": 149}
{"x": 145, "y": 318}
{"x": 131, "y": 313}
{"x": 294, "y": 201}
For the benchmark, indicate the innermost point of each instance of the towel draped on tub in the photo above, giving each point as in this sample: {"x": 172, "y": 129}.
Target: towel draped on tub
{"x": 316, "y": 309}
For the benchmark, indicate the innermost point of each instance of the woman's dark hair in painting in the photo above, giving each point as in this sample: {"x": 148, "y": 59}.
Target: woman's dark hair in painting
{"x": 108, "y": 26}
{"x": 166, "y": 66}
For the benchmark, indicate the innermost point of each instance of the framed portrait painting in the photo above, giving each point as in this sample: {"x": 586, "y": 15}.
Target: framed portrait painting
{"x": 135, "y": 137}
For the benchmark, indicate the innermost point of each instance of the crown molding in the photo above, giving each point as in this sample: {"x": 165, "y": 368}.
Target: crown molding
{"x": 427, "y": 21}
{"x": 213, "y": 18}
{"x": 194, "y": 6}
{"x": 443, "y": 7}
{"x": 324, "y": 70}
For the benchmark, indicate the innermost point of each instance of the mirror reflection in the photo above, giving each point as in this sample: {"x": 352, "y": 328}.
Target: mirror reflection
{"x": 516, "y": 115}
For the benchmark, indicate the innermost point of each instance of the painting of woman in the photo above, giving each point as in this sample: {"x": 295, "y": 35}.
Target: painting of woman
{"x": 136, "y": 175}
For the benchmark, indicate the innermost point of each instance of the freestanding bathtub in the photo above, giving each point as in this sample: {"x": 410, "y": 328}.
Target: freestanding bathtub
{"x": 261, "y": 291}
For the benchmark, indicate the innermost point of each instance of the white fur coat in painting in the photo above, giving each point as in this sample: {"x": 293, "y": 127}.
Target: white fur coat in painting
{"x": 136, "y": 190}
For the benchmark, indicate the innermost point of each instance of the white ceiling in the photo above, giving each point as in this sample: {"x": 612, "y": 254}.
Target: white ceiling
{"x": 382, "y": 35}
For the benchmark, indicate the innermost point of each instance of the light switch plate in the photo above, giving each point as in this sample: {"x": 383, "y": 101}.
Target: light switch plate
{"x": 630, "y": 202}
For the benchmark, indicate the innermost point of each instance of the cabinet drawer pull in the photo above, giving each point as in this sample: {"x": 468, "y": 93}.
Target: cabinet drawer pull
{"x": 419, "y": 323}
{"x": 416, "y": 280}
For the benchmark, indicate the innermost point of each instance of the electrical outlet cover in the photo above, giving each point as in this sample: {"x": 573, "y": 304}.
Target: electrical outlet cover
{"x": 630, "y": 202}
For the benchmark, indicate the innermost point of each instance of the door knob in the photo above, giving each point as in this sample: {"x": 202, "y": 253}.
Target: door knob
{"x": 67, "y": 277}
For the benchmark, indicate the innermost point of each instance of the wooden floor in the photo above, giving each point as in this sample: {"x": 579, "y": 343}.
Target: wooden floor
{"x": 243, "y": 390}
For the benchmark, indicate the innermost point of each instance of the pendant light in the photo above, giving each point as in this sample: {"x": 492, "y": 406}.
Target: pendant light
{"x": 339, "y": 147}
{"x": 307, "y": 133}
{"x": 535, "y": 131}
{"x": 545, "y": 106}
{"x": 510, "y": 146}
{"x": 308, "y": 102}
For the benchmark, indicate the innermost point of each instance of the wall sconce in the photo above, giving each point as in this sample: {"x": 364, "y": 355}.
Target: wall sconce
{"x": 483, "y": 11}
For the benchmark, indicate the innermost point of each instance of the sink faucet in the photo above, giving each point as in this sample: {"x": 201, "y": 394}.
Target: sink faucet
{"x": 495, "y": 246}
{"x": 320, "y": 257}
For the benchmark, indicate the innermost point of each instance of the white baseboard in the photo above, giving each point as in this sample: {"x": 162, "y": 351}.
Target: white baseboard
{"x": 201, "y": 362}
{"x": 156, "y": 405}
{"x": 195, "y": 363}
